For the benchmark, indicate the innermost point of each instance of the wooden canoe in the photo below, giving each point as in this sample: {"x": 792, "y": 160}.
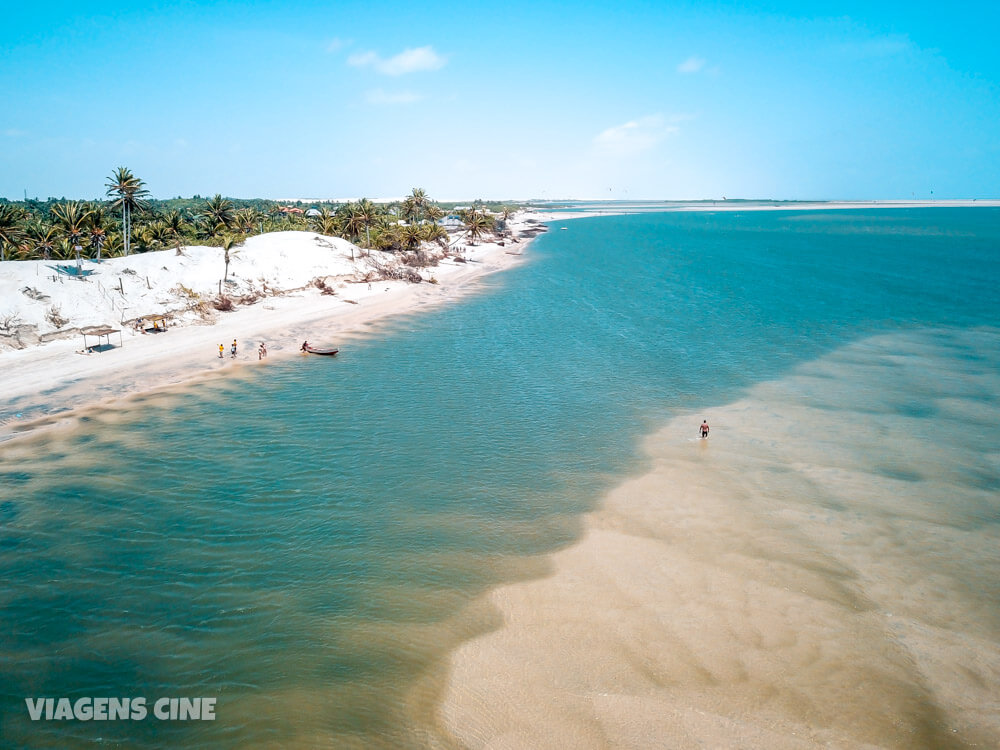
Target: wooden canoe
{"x": 316, "y": 350}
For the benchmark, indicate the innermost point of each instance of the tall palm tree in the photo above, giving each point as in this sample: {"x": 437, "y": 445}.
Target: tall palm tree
{"x": 131, "y": 192}
{"x": 418, "y": 197}
{"x": 11, "y": 229}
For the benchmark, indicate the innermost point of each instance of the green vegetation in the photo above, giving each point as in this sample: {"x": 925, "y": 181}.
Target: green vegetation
{"x": 132, "y": 222}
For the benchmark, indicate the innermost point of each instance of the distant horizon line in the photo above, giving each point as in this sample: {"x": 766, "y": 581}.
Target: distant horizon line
{"x": 548, "y": 201}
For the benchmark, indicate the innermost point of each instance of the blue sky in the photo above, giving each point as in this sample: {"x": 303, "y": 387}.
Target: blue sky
{"x": 825, "y": 100}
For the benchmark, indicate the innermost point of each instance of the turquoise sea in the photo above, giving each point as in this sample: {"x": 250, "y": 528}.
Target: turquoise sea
{"x": 307, "y": 542}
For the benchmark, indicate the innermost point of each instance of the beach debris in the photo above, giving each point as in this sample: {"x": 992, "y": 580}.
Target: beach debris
{"x": 34, "y": 294}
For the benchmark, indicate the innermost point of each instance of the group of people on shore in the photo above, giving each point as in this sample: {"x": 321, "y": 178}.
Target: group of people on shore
{"x": 261, "y": 350}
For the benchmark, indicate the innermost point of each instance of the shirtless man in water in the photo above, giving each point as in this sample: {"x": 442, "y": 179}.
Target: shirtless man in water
{"x": 704, "y": 429}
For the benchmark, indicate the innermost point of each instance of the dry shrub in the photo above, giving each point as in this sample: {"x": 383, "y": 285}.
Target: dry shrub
{"x": 10, "y": 322}
{"x": 222, "y": 303}
{"x": 385, "y": 271}
{"x": 182, "y": 291}
{"x": 54, "y": 316}
{"x": 420, "y": 259}
{"x": 324, "y": 288}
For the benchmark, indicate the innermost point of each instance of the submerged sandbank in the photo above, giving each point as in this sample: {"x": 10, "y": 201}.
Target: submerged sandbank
{"x": 822, "y": 571}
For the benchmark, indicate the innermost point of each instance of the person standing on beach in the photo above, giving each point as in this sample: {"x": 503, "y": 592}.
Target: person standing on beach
{"x": 261, "y": 351}
{"x": 704, "y": 429}
{"x": 233, "y": 355}
{"x": 222, "y": 348}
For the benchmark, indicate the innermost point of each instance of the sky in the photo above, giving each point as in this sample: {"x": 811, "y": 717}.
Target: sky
{"x": 502, "y": 101}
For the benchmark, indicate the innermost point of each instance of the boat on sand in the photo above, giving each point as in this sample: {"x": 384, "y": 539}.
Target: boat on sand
{"x": 310, "y": 349}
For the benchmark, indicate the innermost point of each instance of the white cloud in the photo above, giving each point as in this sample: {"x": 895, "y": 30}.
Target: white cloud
{"x": 691, "y": 65}
{"x": 635, "y": 136}
{"x": 407, "y": 61}
{"x": 14, "y": 133}
{"x": 378, "y": 96}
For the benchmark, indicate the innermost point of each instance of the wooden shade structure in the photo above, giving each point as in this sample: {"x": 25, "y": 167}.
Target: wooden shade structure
{"x": 100, "y": 332}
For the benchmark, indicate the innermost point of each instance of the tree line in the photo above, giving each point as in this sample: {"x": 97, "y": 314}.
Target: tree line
{"x": 129, "y": 221}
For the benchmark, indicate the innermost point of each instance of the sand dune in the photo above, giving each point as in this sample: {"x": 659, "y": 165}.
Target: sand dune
{"x": 50, "y": 373}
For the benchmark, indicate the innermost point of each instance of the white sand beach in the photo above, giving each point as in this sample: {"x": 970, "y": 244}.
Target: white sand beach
{"x": 47, "y": 371}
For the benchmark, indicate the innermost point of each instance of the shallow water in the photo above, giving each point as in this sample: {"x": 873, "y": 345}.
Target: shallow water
{"x": 822, "y": 571}
{"x": 307, "y": 542}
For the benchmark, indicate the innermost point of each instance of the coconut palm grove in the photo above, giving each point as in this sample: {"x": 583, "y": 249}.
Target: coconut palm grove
{"x": 130, "y": 221}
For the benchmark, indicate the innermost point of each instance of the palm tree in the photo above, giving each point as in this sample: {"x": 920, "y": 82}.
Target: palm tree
{"x": 40, "y": 239}
{"x": 228, "y": 243}
{"x": 505, "y": 213}
{"x": 130, "y": 191}
{"x": 352, "y": 220}
{"x": 436, "y": 233}
{"x": 433, "y": 213}
{"x": 218, "y": 212}
{"x": 157, "y": 235}
{"x": 72, "y": 218}
{"x": 11, "y": 230}
{"x": 96, "y": 229}
{"x": 412, "y": 235}
{"x": 176, "y": 223}
{"x": 368, "y": 213}
{"x": 418, "y": 198}
{"x": 246, "y": 220}
{"x": 325, "y": 222}
{"x": 477, "y": 223}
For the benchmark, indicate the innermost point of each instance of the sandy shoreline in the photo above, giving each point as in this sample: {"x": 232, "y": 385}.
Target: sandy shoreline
{"x": 53, "y": 378}
{"x": 44, "y": 385}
